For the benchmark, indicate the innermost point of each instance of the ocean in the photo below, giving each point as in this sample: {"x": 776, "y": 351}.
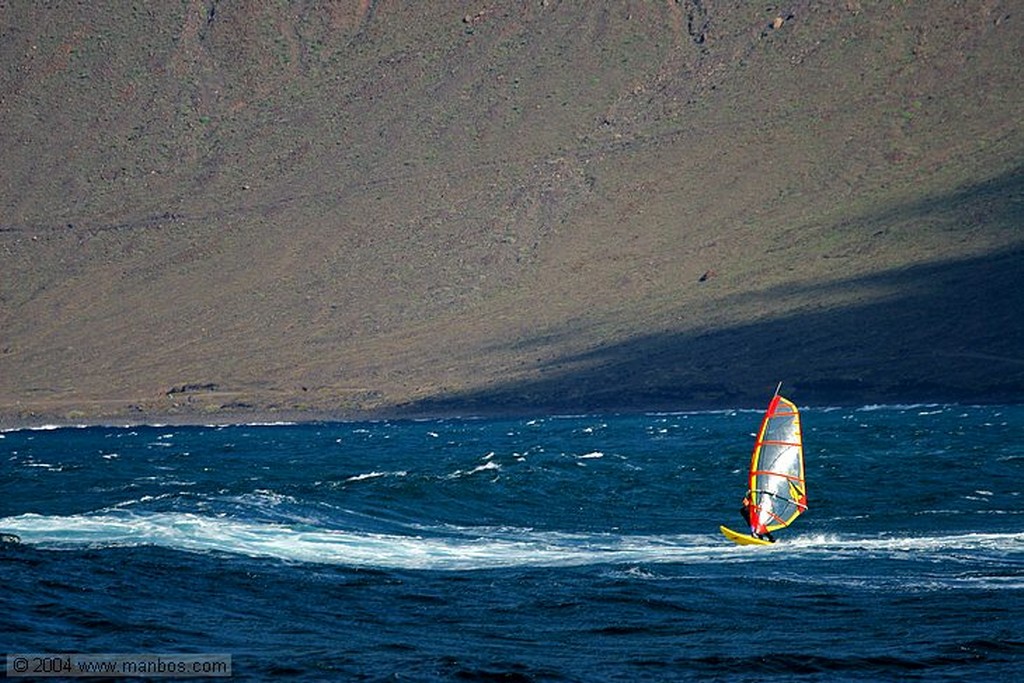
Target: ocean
{"x": 546, "y": 548}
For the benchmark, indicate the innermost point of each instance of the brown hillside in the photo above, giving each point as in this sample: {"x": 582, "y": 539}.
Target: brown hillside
{"x": 210, "y": 210}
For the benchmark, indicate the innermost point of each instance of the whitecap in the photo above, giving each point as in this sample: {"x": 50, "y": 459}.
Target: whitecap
{"x": 458, "y": 549}
{"x": 376, "y": 475}
{"x": 489, "y": 465}
{"x": 468, "y": 548}
{"x": 46, "y": 466}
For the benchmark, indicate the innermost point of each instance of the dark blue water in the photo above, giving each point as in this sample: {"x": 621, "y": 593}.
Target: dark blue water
{"x": 557, "y": 548}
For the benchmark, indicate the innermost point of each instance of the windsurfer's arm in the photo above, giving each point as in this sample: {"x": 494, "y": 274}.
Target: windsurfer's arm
{"x": 745, "y": 509}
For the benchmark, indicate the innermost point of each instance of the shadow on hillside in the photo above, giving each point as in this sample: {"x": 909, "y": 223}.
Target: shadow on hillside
{"x": 937, "y": 332}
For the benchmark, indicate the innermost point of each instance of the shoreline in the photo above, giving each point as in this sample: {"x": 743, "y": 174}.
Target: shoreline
{"x": 53, "y": 420}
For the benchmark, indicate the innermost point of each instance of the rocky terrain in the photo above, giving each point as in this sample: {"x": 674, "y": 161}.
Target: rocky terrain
{"x": 213, "y": 211}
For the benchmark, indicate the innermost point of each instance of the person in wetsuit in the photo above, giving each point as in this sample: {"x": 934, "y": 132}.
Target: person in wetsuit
{"x": 745, "y": 513}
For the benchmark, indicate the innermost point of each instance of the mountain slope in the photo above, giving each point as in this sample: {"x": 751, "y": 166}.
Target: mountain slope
{"x": 210, "y": 209}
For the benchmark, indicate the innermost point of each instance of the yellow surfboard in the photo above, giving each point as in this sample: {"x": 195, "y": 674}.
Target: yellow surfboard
{"x": 742, "y": 539}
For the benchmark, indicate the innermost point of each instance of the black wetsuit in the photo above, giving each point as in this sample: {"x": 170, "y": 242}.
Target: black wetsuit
{"x": 766, "y": 536}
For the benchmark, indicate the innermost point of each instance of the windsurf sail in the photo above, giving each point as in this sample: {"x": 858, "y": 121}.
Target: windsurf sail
{"x": 778, "y": 491}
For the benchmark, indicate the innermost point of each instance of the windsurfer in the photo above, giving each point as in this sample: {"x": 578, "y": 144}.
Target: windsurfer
{"x": 745, "y": 513}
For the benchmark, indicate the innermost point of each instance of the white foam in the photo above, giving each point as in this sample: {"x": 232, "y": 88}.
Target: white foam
{"x": 842, "y": 547}
{"x": 489, "y": 465}
{"x": 45, "y": 465}
{"x": 872, "y": 407}
{"x": 467, "y": 548}
{"x": 444, "y": 550}
{"x": 376, "y": 475}
{"x": 42, "y": 428}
